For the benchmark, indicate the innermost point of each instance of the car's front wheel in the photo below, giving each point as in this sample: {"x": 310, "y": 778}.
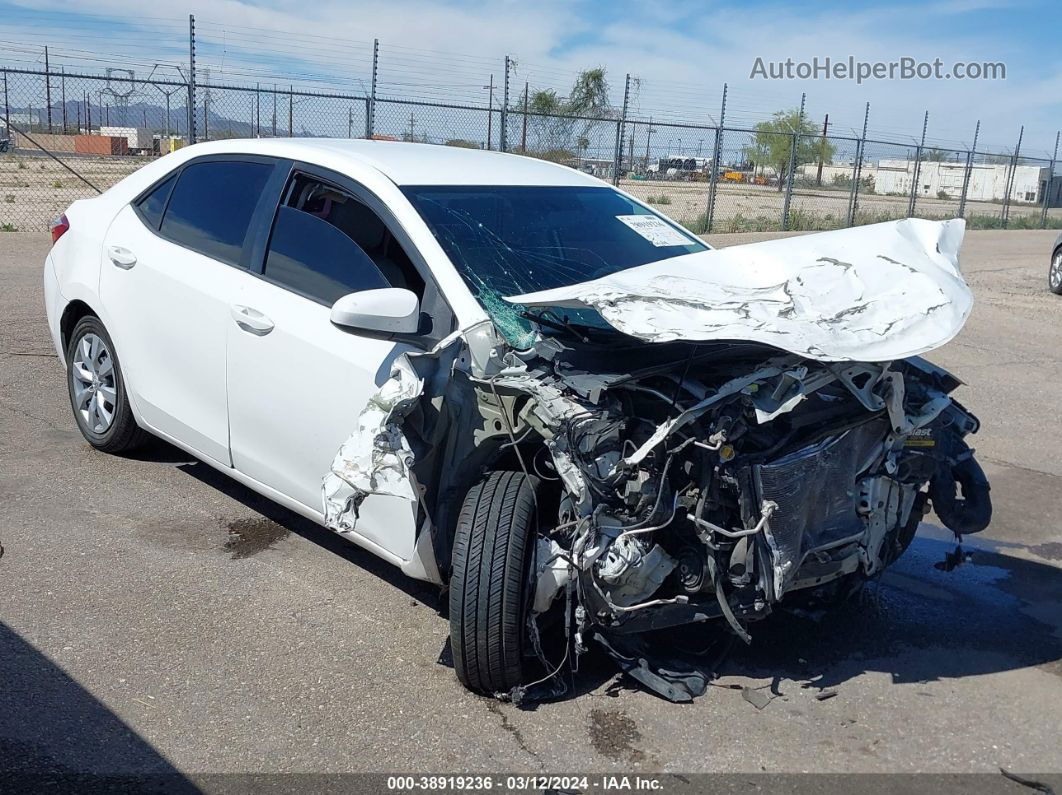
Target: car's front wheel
{"x": 489, "y": 590}
{"x": 97, "y": 389}
{"x": 1054, "y": 273}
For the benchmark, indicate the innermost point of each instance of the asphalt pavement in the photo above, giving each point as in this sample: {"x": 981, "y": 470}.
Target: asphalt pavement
{"x": 156, "y": 617}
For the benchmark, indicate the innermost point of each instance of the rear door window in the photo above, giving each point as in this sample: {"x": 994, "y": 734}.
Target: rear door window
{"x": 151, "y": 207}
{"x": 212, "y": 204}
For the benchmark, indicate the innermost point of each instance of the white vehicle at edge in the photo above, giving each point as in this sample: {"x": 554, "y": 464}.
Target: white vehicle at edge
{"x": 641, "y": 459}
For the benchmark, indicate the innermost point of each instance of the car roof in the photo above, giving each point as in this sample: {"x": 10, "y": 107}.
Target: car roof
{"x": 418, "y": 164}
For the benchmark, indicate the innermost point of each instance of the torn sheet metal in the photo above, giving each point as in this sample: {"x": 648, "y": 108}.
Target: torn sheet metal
{"x": 871, "y": 293}
{"x": 377, "y": 457}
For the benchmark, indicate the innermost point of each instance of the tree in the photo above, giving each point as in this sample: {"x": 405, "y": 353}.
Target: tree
{"x": 933, "y": 155}
{"x": 773, "y": 144}
{"x": 563, "y": 124}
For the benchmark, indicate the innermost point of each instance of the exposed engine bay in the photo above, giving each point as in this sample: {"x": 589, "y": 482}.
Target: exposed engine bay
{"x": 679, "y": 481}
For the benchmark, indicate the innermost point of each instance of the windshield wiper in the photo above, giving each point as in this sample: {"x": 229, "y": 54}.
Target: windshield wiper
{"x": 558, "y": 324}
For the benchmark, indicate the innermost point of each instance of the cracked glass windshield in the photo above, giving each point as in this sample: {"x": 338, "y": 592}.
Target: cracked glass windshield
{"x": 510, "y": 240}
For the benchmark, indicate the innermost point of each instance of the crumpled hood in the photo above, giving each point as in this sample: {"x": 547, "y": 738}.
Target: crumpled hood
{"x": 870, "y": 293}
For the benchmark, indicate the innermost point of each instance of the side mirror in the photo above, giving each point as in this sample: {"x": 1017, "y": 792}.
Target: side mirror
{"x": 388, "y": 310}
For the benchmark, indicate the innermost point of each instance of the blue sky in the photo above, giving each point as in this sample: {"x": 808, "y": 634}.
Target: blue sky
{"x": 681, "y": 51}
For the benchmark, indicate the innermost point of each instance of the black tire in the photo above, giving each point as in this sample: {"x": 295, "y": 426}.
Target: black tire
{"x": 122, "y": 434}
{"x": 1054, "y": 272}
{"x": 489, "y": 582}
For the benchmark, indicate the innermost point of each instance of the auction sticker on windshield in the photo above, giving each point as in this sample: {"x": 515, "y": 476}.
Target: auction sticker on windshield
{"x": 655, "y": 230}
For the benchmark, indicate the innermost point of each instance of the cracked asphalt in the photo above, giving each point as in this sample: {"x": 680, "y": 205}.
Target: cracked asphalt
{"x": 157, "y": 617}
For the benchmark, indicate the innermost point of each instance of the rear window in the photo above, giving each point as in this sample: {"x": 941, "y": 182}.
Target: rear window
{"x": 212, "y": 204}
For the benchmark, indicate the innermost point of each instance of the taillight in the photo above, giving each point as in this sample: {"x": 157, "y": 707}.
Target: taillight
{"x": 59, "y": 227}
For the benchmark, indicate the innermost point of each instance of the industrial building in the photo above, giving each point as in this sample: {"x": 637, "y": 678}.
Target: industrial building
{"x": 988, "y": 181}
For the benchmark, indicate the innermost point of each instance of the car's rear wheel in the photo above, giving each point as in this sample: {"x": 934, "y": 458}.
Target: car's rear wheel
{"x": 97, "y": 389}
{"x": 1054, "y": 273}
{"x": 489, "y": 591}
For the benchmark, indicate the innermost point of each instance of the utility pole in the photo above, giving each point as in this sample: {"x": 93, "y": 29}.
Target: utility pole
{"x": 191, "y": 78}
{"x": 503, "y": 137}
{"x": 822, "y": 147}
{"x": 917, "y": 168}
{"x": 371, "y": 123}
{"x": 48, "y": 88}
{"x": 523, "y": 133}
{"x": 968, "y": 175}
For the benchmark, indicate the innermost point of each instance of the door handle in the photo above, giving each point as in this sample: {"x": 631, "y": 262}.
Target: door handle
{"x": 251, "y": 320}
{"x": 122, "y": 257}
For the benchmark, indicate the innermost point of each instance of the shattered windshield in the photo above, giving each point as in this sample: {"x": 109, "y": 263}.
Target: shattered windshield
{"x": 509, "y": 240}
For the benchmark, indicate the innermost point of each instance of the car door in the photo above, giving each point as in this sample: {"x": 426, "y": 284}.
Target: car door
{"x": 173, "y": 261}
{"x": 297, "y": 383}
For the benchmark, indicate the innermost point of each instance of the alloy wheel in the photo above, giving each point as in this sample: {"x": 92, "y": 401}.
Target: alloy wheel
{"x": 95, "y": 388}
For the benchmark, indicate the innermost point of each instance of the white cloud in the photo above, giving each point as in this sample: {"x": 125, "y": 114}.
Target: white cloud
{"x": 682, "y": 51}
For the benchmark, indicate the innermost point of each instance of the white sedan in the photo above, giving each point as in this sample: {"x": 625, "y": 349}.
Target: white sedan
{"x": 509, "y": 378}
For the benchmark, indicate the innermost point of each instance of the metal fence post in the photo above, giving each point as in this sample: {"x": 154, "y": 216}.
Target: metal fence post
{"x": 915, "y": 176}
{"x": 191, "y": 78}
{"x": 503, "y": 141}
{"x": 370, "y": 122}
{"x": 968, "y": 176}
{"x": 490, "y": 112}
{"x": 1047, "y": 186}
{"x": 62, "y": 94}
{"x": 717, "y": 151}
{"x": 48, "y": 88}
{"x": 792, "y": 165}
{"x": 523, "y": 132}
{"x": 7, "y": 107}
{"x": 1010, "y": 179}
{"x": 291, "y": 111}
{"x": 617, "y": 155}
{"x": 857, "y": 172}
{"x": 368, "y": 112}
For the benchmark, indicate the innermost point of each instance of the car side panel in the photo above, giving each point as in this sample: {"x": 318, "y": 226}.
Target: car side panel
{"x": 168, "y": 316}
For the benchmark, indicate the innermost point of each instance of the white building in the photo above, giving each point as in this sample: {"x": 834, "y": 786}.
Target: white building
{"x": 988, "y": 181}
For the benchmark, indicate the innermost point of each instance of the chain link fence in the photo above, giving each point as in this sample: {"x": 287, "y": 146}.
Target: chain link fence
{"x": 710, "y": 178}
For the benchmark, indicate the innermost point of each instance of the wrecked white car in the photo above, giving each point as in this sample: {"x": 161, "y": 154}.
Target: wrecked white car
{"x": 558, "y": 404}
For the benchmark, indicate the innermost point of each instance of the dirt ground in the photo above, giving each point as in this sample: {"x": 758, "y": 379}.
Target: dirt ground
{"x": 35, "y": 189}
{"x": 156, "y": 617}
